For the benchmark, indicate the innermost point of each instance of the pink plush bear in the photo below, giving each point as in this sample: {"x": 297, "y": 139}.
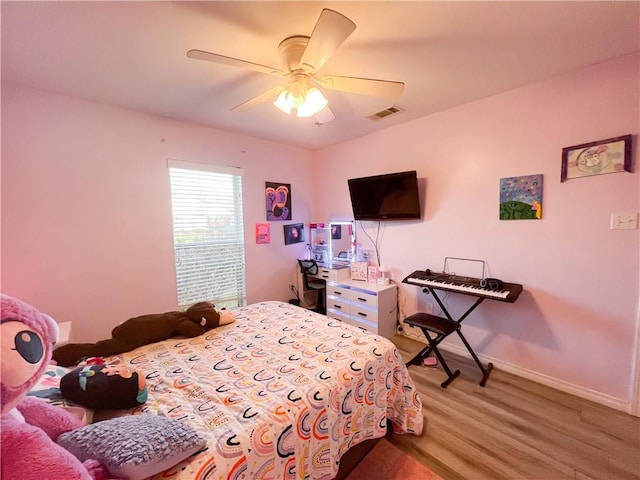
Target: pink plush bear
{"x": 29, "y": 426}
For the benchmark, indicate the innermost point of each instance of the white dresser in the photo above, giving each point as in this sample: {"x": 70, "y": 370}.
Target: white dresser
{"x": 363, "y": 304}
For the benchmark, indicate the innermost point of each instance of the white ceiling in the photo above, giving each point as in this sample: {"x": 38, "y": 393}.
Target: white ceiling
{"x": 132, "y": 54}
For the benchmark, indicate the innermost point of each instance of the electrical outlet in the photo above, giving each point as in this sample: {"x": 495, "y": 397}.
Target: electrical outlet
{"x": 624, "y": 221}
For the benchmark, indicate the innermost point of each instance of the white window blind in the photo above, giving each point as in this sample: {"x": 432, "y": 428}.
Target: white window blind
{"x": 208, "y": 234}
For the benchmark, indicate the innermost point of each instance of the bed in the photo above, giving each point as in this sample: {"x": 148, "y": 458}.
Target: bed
{"x": 281, "y": 393}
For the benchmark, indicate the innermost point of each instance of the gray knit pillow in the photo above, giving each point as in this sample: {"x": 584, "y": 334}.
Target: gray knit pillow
{"x": 134, "y": 447}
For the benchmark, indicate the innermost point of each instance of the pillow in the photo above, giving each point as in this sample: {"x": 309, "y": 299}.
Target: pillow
{"x": 48, "y": 385}
{"x": 134, "y": 447}
{"x": 48, "y": 389}
{"x": 104, "y": 386}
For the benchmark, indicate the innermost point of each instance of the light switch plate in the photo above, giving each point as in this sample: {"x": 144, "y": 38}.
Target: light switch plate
{"x": 624, "y": 221}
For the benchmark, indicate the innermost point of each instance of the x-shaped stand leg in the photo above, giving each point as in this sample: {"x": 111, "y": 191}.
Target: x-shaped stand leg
{"x": 485, "y": 371}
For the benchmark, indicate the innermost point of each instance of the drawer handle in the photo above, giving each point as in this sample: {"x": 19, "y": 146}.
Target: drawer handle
{"x": 338, "y": 307}
{"x": 362, "y": 314}
{"x": 325, "y": 276}
{"x": 362, "y": 299}
{"x": 337, "y": 292}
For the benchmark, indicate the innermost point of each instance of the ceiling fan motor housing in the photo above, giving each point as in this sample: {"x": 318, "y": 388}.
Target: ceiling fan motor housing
{"x": 291, "y": 50}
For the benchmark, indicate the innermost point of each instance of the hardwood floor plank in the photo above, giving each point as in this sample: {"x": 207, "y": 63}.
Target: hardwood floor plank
{"x": 490, "y": 442}
{"x": 515, "y": 428}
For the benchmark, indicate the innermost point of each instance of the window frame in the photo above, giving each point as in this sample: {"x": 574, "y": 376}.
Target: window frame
{"x": 228, "y": 271}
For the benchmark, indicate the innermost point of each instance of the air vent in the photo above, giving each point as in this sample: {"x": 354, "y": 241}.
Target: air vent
{"x": 392, "y": 110}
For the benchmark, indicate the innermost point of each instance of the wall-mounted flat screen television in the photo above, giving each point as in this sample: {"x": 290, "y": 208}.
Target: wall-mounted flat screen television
{"x": 393, "y": 196}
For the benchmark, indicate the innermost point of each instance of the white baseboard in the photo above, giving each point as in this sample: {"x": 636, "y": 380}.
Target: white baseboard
{"x": 546, "y": 380}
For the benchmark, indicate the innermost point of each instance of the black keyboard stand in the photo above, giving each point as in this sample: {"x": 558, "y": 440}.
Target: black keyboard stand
{"x": 442, "y": 328}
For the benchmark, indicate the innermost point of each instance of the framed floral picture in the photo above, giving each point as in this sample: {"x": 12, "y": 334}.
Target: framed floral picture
{"x": 596, "y": 158}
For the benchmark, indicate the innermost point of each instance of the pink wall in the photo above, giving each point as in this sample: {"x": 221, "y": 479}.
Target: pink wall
{"x": 576, "y": 323}
{"x": 86, "y": 212}
{"x": 86, "y": 220}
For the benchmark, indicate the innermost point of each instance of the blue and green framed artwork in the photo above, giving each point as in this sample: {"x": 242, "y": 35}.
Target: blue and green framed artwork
{"x": 521, "y": 198}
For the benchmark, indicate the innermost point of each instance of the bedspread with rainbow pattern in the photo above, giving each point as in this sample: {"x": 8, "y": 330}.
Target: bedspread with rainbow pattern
{"x": 282, "y": 393}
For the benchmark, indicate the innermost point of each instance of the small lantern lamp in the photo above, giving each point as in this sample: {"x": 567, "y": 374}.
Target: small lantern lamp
{"x": 383, "y": 279}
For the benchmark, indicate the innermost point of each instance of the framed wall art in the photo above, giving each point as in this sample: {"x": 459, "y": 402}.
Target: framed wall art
{"x": 293, "y": 233}
{"x": 612, "y": 155}
{"x": 263, "y": 233}
{"x": 278, "y": 199}
{"x": 521, "y": 198}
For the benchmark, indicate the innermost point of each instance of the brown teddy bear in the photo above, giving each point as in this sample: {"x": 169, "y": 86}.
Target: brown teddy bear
{"x": 146, "y": 329}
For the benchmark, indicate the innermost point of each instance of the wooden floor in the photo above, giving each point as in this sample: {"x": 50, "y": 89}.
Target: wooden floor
{"x": 515, "y": 428}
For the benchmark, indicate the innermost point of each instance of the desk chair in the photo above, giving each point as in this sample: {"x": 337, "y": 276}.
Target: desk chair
{"x": 310, "y": 267}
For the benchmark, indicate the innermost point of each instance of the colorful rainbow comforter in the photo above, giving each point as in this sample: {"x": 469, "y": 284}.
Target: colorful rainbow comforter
{"x": 282, "y": 393}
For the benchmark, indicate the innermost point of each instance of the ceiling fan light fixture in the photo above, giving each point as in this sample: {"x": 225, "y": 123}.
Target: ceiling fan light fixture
{"x": 284, "y": 102}
{"x": 304, "y": 105}
{"x": 302, "y": 98}
{"x": 314, "y": 102}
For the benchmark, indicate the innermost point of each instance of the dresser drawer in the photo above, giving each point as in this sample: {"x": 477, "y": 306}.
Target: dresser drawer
{"x": 335, "y": 274}
{"x": 338, "y": 303}
{"x": 337, "y": 291}
{"x": 364, "y": 313}
{"x": 364, "y": 324}
{"x": 338, "y": 315}
{"x": 365, "y": 298}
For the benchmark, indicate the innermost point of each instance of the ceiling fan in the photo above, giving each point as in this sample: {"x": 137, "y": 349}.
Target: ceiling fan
{"x": 302, "y": 57}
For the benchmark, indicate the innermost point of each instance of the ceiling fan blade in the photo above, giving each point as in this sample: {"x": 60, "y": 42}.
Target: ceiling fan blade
{"x": 325, "y": 115}
{"x": 233, "y": 62}
{"x": 331, "y": 30}
{"x": 257, "y": 100}
{"x": 364, "y": 86}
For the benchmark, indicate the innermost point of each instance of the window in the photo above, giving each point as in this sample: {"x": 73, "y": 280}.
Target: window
{"x": 208, "y": 234}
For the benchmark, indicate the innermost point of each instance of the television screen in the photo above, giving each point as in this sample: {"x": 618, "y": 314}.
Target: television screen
{"x": 385, "y": 197}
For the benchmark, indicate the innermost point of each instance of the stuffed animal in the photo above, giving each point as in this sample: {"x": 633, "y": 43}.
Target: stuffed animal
{"x": 29, "y": 426}
{"x": 147, "y": 329}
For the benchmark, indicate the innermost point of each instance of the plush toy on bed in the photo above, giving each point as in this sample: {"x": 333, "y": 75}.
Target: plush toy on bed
{"x": 147, "y": 329}
{"x": 29, "y": 426}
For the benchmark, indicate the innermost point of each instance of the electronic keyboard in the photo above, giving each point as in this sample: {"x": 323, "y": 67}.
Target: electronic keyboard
{"x": 493, "y": 289}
